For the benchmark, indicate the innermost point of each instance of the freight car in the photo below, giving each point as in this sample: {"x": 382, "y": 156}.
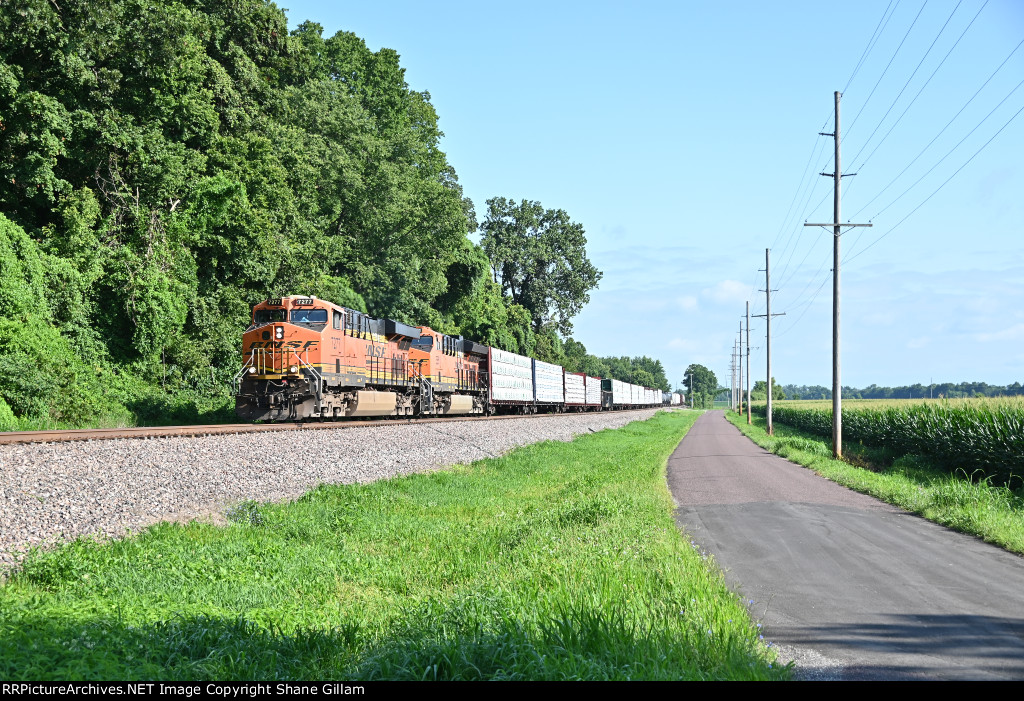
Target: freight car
{"x": 306, "y": 358}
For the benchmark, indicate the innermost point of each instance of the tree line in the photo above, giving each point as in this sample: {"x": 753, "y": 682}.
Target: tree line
{"x": 164, "y": 166}
{"x": 948, "y": 390}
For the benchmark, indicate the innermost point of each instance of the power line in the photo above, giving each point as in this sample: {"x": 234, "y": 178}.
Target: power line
{"x": 785, "y": 280}
{"x": 942, "y": 185}
{"x": 871, "y": 43}
{"x": 837, "y": 226}
{"x": 898, "y": 119}
{"x": 820, "y": 202}
{"x": 789, "y": 240}
{"x": 810, "y": 193}
{"x": 815, "y": 153}
{"x": 943, "y": 130}
{"x": 954, "y": 149}
{"x": 887, "y": 67}
{"x": 768, "y": 335}
{"x": 883, "y": 22}
{"x": 788, "y": 253}
{"x": 856, "y": 240}
{"x": 799, "y": 187}
{"x": 806, "y": 306}
{"x": 903, "y": 89}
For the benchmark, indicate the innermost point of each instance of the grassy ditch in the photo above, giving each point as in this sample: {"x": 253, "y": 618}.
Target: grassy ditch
{"x": 557, "y": 561}
{"x": 992, "y": 512}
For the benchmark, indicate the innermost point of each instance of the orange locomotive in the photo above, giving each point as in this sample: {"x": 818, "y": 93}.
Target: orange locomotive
{"x": 306, "y": 358}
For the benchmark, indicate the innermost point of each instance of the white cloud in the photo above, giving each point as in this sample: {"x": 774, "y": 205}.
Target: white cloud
{"x": 880, "y": 318}
{"x": 1009, "y": 334}
{"x": 727, "y": 291}
{"x": 683, "y": 344}
{"x": 689, "y": 302}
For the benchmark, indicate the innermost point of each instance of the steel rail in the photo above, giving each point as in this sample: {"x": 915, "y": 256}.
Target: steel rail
{"x": 94, "y": 434}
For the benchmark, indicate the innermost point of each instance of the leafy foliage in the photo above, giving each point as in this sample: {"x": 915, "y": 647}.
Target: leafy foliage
{"x": 164, "y": 166}
{"x": 704, "y": 384}
{"x": 759, "y": 391}
{"x": 938, "y": 390}
{"x": 538, "y": 256}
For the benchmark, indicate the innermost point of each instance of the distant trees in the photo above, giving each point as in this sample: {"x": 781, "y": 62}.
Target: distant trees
{"x": 949, "y": 390}
{"x": 704, "y": 384}
{"x": 759, "y": 391}
{"x": 640, "y": 370}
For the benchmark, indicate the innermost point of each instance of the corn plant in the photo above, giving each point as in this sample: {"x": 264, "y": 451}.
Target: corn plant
{"x": 984, "y": 439}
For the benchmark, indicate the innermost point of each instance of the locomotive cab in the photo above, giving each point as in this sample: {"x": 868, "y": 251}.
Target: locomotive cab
{"x": 284, "y": 337}
{"x": 282, "y": 352}
{"x": 448, "y": 372}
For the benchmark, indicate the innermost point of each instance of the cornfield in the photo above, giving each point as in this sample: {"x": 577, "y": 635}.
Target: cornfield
{"x": 982, "y": 438}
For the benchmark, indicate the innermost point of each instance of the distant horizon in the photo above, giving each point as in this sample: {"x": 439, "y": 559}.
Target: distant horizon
{"x": 828, "y": 387}
{"x": 912, "y": 384}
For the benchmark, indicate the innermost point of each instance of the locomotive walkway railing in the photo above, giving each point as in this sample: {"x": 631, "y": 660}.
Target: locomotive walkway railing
{"x": 272, "y": 361}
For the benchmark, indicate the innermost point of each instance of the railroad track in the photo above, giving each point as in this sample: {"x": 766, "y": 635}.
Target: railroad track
{"x": 98, "y": 434}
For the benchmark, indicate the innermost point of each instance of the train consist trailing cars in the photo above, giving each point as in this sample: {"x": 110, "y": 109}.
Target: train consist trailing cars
{"x": 305, "y": 358}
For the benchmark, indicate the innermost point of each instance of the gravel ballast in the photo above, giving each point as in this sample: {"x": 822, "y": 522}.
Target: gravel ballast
{"x": 59, "y": 491}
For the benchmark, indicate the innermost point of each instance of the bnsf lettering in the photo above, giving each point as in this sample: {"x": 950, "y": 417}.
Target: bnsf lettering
{"x": 376, "y": 351}
{"x": 288, "y": 345}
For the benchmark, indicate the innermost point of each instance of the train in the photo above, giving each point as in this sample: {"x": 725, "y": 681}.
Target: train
{"x": 307, "y": 359}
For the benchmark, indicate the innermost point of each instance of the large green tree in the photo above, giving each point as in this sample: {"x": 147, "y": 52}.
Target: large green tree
{"x": 704, "y": 384}
{"x": 539, "y": 258}
{"x": 229, "y": 159}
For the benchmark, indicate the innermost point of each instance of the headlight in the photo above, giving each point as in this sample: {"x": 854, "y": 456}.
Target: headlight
{"x": 293, "y": 369}
{"x": 252, "y": 371}
{"x": 279, "y": 332}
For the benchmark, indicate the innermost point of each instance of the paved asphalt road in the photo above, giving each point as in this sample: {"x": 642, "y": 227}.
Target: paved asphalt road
{"x": 850, "y": 587}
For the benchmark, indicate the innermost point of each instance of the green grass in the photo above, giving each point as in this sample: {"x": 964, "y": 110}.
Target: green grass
{"x": 557, "y": 561}
{"x": 992, "y": 512}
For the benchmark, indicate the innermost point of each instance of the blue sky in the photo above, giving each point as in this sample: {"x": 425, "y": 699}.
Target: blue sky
{"x": 684, "y": 137}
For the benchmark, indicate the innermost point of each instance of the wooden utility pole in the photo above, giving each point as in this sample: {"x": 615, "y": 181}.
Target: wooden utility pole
{"x": 740, "y": 364}
{"x": 736, "y": 384}
{"x": 748, "y": 362}
{"x": 837, "y": 387}
{"x": 732, "y": 379}
{"x": 768, "y": 335}
{"x": 732, "y": 370}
